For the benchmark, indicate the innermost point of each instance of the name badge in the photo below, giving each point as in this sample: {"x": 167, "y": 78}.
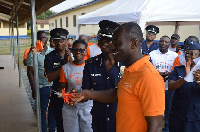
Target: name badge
{"x": 122, "y": 69}
{"x": 56, "y": 64}
{"x": 95, "y": 75}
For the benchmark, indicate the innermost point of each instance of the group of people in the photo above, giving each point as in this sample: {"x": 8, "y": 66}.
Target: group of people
{"x": 122, "y": 83}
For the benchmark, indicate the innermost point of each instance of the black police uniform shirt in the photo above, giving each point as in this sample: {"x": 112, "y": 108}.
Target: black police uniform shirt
{"x": 146, "y": 50}
{"x": 52, "y": 62}
{"x": 186, "y": 99}
{"x": 97, "y": 77}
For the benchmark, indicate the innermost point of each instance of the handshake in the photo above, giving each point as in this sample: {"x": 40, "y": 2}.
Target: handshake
{"x": 73, "y": 96}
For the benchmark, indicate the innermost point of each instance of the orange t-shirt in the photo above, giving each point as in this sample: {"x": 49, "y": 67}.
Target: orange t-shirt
{"x": 62, "y": 76}
{"x": 141, "y": 92}
{"x": 176, "y": 63}
{"x": 26, "y": 52}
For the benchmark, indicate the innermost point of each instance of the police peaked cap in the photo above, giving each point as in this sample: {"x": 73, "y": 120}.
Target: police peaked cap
{"x": 107, "y": 28}
{"x": 152, "y": 28}
{"x": 192, "y": 45}
{"x": 59, "y": 33}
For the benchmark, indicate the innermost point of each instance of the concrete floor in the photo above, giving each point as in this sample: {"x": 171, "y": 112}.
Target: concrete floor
{"x": 16, "y": 114}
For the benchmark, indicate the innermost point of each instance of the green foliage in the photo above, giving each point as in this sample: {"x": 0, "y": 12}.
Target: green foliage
{"x": 45, "y": 15}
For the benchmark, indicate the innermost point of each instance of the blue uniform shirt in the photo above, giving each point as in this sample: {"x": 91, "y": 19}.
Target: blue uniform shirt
{"x": 186, "y": 99}
{"x": 146, "y": 50}
{"x": 52, "y": 62}
{"x": 97, "y": 77}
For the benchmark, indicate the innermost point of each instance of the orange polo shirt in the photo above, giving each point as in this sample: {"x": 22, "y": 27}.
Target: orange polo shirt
{"x": 26, "y": 52}
{"x": 141, "y": 92}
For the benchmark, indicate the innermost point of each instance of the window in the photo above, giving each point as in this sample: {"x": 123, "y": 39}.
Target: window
{"x": 82, "y": 14}
{"x": 56, "y": 23}
{"x": 61, "y": 22}
{"x": 41, "y": 26}
{"x": 74, "y": 20}
{"x": 67, "y": 22}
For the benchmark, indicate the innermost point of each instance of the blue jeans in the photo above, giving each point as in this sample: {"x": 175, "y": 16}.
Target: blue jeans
{"x": 46, "y": 106}
{"x": 168, "y": 104}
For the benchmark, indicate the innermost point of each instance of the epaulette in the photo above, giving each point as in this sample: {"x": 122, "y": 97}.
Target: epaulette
{"x": 90, "y": 60}
{"x": 93, "y": 59}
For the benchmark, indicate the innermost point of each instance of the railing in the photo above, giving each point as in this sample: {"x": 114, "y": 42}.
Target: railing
{"x": 22, "y": 41}
{"x": 5, "y": 42}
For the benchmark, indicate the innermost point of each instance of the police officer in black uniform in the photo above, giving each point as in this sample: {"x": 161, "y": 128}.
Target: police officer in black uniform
{"x": 100, "y": 73}
{"x": 53, "y": 64}
{"x": 149, "y": 45}
{"x": 185, "y": 110}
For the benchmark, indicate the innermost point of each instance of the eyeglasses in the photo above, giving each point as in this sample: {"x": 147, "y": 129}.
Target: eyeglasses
{"x": 191, "y": 54}
{"x": 174, "y": 38}
{"x": 78, "y": 50}
{"x": 58, "y": 40}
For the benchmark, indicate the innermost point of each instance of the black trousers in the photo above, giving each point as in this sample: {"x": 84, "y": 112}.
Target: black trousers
{"x": 57, "y": 105}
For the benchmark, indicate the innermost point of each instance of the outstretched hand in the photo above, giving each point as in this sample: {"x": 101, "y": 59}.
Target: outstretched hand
{"x": 68, "y": 96}
{"x": 77, "y": 96}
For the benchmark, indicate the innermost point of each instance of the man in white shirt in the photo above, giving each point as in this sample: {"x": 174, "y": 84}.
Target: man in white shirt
{"x": 163, "y": 60}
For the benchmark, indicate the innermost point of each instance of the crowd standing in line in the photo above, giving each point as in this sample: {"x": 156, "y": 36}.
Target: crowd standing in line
{"x": 133, "y": 84}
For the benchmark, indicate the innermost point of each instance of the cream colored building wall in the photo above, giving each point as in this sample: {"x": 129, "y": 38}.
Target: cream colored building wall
{"x": 4, "y": 31}
{"x": 46, "y": 27}
{"x": 184, "y": 31}
{"x": 88, "y": 29}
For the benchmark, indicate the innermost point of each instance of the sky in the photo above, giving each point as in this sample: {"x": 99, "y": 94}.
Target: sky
{"x": 67, "y": 4}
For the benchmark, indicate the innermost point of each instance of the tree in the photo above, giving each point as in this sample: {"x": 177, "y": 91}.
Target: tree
{"x": 42, "y": 16}
{"x": 45, "y": 15}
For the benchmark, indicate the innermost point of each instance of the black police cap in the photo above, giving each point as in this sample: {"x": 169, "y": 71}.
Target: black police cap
{"x": 107, "y": 28}
{"x": 152, "y": 28}
{"x": 59, "y": 33}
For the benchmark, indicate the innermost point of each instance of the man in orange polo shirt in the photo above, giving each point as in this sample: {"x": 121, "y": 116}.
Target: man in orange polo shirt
{"x": 140, "y": 92}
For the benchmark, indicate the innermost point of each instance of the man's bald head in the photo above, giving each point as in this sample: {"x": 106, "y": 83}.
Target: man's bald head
{"x": 132, "y": 31}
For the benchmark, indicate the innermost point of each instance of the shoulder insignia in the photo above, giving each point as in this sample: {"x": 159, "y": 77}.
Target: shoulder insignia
{"x": 90, "y": 60}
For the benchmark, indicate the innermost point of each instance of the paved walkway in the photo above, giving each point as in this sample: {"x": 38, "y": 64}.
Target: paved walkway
{"x": 16, "y": 114}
